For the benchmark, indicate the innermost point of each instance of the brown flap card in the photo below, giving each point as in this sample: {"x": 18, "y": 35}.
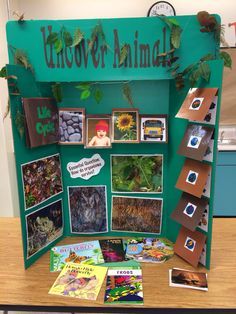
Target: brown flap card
{"x": 41, "y": 118}
{"x": 195, "y": 141}
{"x": 189, "y": 211}
{"x": 193, "y": 177}
{"x": 197, "y": 103}
{"x": 189, "y": 245}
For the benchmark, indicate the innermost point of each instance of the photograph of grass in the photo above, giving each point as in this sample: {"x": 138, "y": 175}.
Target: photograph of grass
{"x": 41, "y": 180}
{"x": 137, "y": 173}
{"x": 136, "y": 214}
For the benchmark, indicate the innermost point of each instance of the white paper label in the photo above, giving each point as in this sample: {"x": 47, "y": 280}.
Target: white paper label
{"x": 86, "y": 167}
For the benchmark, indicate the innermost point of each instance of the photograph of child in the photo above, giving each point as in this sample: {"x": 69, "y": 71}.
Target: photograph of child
{"x": 98, "y": 132}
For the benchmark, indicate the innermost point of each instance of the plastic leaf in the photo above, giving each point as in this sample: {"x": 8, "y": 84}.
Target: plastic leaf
{"x": 227, "y": 59}
{"x": 85, "y": 94}
{"x": 52, "y": 38}
{"x": 78, "y": 37}
{"x": 127, "y": 94}
{"x": 188, "y": 69}
{"x": 57, "y": 92}
{"x": 67, "y": 39}
{"x": 98, "y": 95}
{"x": 194, "y": 77}
{"x": 207, "y": 57}
{"x": 175, "y": 36}
{"x": 123, "y": 54}
{"x": 3, "y": 72}
{"x": 21, "y": 58}
{"x": 205, "y": 71}
{"x": 173, "y": 21}
{"x": 58, "y": 45}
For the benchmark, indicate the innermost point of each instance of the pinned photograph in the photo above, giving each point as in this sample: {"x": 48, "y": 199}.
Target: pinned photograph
{"x": 196, "y": 103}
{"x": 88, "y": 209}
{"x": 189, "y": 245}
{"x": 71, "y": 125}
{"x": 136, "y": 214}
{"x": 43, "y": 227}
{"x": 189, "y": 211}
{"x": 41, "y": 180}
{"x": 188, "y": 279}
{"x": 153, "y": 128}
{"x": 125, "y": 125}
{"x": 137, "y": 173}
{"x": 98, "y": 131}
{"x": 192, "y": 177}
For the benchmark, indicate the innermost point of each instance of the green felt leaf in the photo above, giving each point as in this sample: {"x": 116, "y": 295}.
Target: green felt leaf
{"x": 85, "y": 94}
{"x": 205, "y": 71}
{"x": 175, "y": 36}
{"x": 58, "y": 45}
{"x": 57, "y": 92}
{"x": 98, "y": 95}
{"x": 78, "y": 37}
{"x": 226, "y": 58}
{"x": 52, "y": 38}
{"x": 3, "y": 72}
{"x": 123, "y": 54}
{"x": 67, "y": 38}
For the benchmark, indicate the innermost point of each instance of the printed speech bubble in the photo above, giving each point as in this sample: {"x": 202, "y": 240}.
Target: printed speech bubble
{"x": 86, "y": 167}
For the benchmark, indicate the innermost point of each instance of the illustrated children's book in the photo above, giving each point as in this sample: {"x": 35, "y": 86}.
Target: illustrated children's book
{"x": 112, "y": 250}
{"x": 124, "y": 285}
{"x": 154, "y": 250}
{"x": 81, "y": 253}
{"x": 79, "y": 281}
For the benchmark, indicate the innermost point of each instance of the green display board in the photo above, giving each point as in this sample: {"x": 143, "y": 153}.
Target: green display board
{"x": 153, "y": 92}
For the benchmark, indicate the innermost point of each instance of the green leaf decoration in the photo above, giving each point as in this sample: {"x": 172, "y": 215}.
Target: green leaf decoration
{"x": 85, "y": 94}
{"x": 194, "y": 77}
{"x": 58, "y": 45}
{"x": 226, "y": 58}
{"x": 20, "y": 123}
{"x": 68, "y": 40}
{"x": 173, "y": 21}
{"x": 208, "y": 57}
{"x": 98, "y": 95}
{"x": 123, "y": 53}
{"x": 83, "y": 86}
{"x": 205, "y": 71}
{"x": 78, "y": 37}
{"x": 57, "y": 92}
{"x": 188, "y": 69}
{"x": 3, "y": 72}
{"x": 175, "y": 36}
{"x": 97, "y": 32}
{"x": 166, "y": 21}
{"x": 127, "y": 93}
{"x": 21, "y": 58}
{"x": 52, "y": 38}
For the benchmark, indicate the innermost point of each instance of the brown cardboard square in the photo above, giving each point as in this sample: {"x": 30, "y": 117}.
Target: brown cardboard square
{"x": 41, "y": 119}
{"x": 197, "y": 103}
{"x": 189, "y": 211}
{"x": 195, "y": 141}
{"x": 193, "y": 177}
{"x": 189, "y": 245}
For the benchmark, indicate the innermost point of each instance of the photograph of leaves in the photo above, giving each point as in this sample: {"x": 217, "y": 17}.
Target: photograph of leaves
{"x": 137, "y": 173}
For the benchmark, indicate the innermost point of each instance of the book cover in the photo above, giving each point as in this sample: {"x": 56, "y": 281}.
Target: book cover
{"x": 81, "y": 253}
{"x": 124, "y": 285}
{"x": 79, "y": 281}
{"x": 154, "y": 250}
{"x": 112, "y": 250}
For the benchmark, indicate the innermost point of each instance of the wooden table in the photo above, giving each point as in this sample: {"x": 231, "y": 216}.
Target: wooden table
{"x": 28, "y": 289}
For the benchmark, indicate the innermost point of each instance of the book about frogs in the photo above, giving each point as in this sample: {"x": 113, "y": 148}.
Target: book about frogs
{"x": 81, "y": 253}
{"x": 124, "y": 285}
{"x": 79, "y": 281}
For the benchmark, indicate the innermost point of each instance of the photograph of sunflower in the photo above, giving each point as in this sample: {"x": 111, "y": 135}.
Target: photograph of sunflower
{"x": 125, "y": 125}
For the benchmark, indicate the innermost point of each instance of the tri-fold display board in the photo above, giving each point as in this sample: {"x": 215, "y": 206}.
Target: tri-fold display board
{"x": 113, "y": 168}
